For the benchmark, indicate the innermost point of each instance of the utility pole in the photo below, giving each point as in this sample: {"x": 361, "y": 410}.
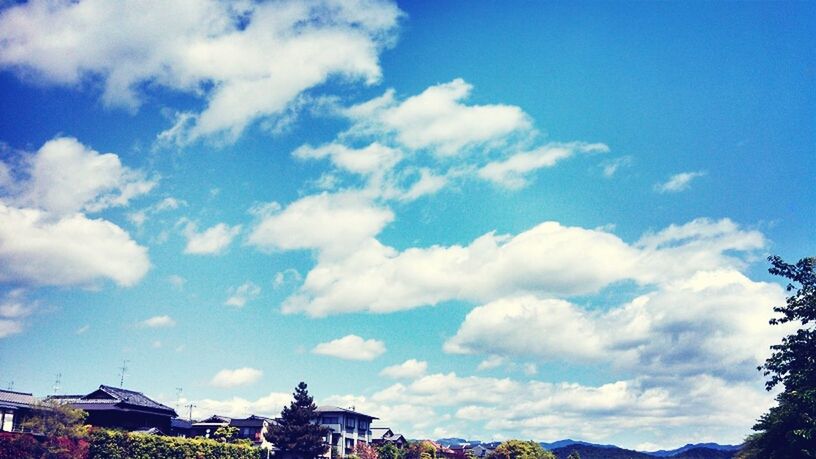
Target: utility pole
{"x": 124, "y": 369}
{"x": 57, "y": 383}
{"x": 190, "y": 413}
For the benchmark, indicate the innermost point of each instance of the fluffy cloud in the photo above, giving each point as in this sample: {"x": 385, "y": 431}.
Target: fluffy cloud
{"x": 351, "y": 347}
{"x": 512, "y": 172}
{"x": 46, "y": 237}
{"x": 373, "y": 158}
{"x": 212, "y": 241}
{"x": 678, "y": 182}
{"x": 13, "y": 311}
{"x": 334, "y": 223}
{"x": 158, "y": 322}
{"x": 237, "y": 377}
{"x": 704, "y": 407}
{"x": 549, "y": 259}
{"x": 245, "y": 292}
{"x": 712, "y": 323}
{"x": 410, "y": 369}
{"x": 64, "y": 176}
{"x": 438, "y": 120}
{"x": 248, "y": 60}
{"x": 42, "y": 249}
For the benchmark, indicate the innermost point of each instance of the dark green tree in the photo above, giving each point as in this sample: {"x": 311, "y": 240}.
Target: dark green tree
{"x": 296, "y": 434}
{"x": 389, "y": 451}
{"x": 788, "y": 430}
{"x": 574, "y": 455}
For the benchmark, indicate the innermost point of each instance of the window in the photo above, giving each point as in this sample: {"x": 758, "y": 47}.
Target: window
{"x": 330, "y": 420}
{"x": 363, "y": 425}
{"x": 349, "y": 422}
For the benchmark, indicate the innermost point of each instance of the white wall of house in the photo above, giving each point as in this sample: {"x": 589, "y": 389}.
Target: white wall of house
{"x": 348, "y": 430}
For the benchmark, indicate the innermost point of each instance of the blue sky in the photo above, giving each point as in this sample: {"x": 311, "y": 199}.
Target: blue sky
{"x": 480, "y": 219}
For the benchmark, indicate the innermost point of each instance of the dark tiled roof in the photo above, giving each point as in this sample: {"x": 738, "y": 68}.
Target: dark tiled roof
{"x": 178, "y": 423}
{"x": 17, "y": 399}
{"x": 107, "y": 396}
{"x": 337, "y": 409}
{"x": 252, "y": 421}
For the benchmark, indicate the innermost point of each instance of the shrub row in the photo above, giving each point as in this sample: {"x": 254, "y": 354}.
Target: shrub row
{"x": 110, "y": 444}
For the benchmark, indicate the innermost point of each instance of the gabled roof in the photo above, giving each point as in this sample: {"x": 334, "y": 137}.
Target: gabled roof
{"x": 337, "y": 409}
{"x": 252, "y": 421}
{"x": 214, "y": 419}
{"x": 13, "y": 399}
{"x": 107, "y": 397}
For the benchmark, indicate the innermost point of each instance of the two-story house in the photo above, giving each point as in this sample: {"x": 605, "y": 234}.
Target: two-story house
{"x": 348, "y": 429}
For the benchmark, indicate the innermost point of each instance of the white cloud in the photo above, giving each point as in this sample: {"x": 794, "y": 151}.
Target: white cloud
{"x": 410, "y": 369}
{"x": 287, "y": 276}
{"x": 64, "y": 176}
{"x": 437, "y": 120}
{"x": 176, "y": 281}
{"x": 334, "y": 223}
{"x": 678, "y": 182}
{"x": 549, "y": 259}
{"x": 351, "y": 347}
{"x": 269, "y": 405}
{"x": 373, "y": 158}
{"x": 237, "y": 377}
{"x": 248, "y": 60}
{"x": 13, "y": 311}
{"x": 239, "y": 296}
{"x": 83, "y": 329}
{"x": 158, "y": 322}
{"x": 212, "y": 241}
{"x": 512, "y": 172}
{"x": 10, "y": 327}
{"x": 611, "y": 167}
{"x": 493, "y": 361}
{"x": 42, "y": 249}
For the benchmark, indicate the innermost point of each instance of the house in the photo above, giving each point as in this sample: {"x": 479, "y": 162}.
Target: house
{"x": 249, "y": 428}
{"x": 180, "y": 427}
{"x": 481, "y": 450}
{"x": 118, "y": 408}
{"x": 15, "y": 407}
{"x": 348, "y": 429}
{"x": 383, "y": 435}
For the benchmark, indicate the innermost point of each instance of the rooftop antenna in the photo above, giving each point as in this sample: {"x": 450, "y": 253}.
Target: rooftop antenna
{"x": 124, "y": 369}
{"x": 190, "y": 413}
{"x": 178, "y": 396}
{"x": 57, "y": 383}
{"x": 11, "y": 385}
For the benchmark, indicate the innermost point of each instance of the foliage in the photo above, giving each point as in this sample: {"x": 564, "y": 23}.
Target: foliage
{"x": 110, "y": 444}
{"x": 518, "y": 449}
{"x": 788, "y": 430}
{"x": 366, "y": 451}
{"x": 422, "y": 449}
{"x": 225, "y": 433}
{"x": 57, "y": 420}
{"x": 295, "y": 434}
{"x": 390, "y": 451}
{"x": 574, "y": 455}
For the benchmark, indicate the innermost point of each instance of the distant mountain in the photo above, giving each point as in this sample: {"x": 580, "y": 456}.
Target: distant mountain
{"x": 568, "y": 442}
{"x": 605, "y": 452}
{"x": 674, "y": 452}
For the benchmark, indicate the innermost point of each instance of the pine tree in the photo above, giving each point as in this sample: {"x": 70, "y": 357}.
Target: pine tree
{"x": 296, "y": 435}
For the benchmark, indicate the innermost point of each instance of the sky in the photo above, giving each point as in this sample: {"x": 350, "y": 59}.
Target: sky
{"x": 477, "y": 219}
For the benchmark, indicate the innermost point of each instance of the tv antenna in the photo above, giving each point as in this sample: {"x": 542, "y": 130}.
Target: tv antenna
{"x": 178, "y": 396}
{"x": 11, "y": 385}
{"x": 57, "y": 382}
{"x": 190, "y": 412}
{"x": 124, "y": 369}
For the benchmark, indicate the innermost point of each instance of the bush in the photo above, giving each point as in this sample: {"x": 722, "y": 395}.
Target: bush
{"x": 109, "y": 444}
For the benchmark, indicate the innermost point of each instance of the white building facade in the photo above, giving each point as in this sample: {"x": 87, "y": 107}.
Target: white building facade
{"x": 349, "y": 428}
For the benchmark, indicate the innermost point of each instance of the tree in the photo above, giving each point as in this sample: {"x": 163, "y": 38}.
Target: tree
{"x": 518, "y": 449}
{"x": 296, "y": 434}
{"x": 225, "y": 434}
{"x": 62, "y": 432}
{"x": 788, "y": 430}
{"x": 422, "y": 449}
{"x": 366, "y": 451}
{"x": 574, "y": 455}
{"x": 389, "y": 450}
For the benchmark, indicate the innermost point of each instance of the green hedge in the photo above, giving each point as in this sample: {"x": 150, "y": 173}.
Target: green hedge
{"x": 108, "y": 444}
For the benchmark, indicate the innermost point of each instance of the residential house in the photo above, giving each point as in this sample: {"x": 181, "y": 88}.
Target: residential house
{"x": 348, "y": 429}
{"x": 15, "y": 407}
{"x": 481, "y": 450}
{"x": 383, "y": 435}
{"x": 249, "y": 428}
{"x": 118, "y": 408}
